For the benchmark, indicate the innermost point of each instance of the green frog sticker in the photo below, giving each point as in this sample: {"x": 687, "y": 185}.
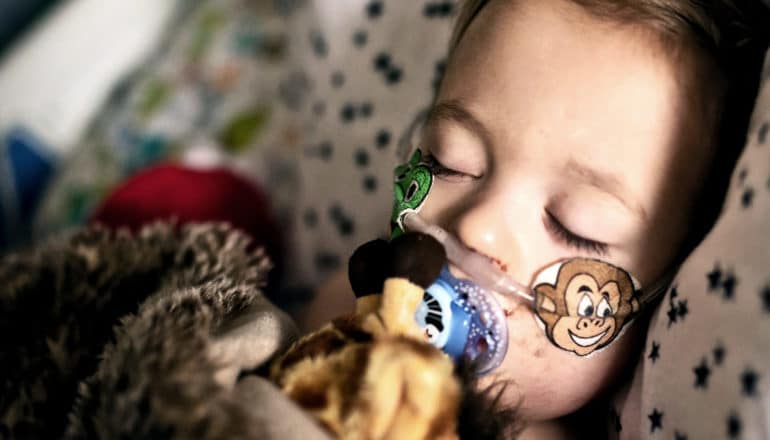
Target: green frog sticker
{"x": 412, "y": 183}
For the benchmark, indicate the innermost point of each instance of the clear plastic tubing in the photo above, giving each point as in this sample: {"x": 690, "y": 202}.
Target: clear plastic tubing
{"x": 482, "y": 271}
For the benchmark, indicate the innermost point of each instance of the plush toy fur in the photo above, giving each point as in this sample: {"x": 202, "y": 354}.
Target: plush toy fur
{"x": 112, "y": 335}
{"x": 372, "y": 375}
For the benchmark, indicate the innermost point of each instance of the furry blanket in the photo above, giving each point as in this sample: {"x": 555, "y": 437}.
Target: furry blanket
{"x": 112, "y": 335}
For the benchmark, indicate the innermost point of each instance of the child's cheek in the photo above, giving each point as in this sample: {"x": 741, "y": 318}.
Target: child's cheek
{"x": 548, "y": 382}
{"x": 444, "y": 200}
{"x": 525, "y": 335}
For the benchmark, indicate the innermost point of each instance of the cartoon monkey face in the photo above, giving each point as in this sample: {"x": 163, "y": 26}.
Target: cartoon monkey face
{"x": 587, "y": 307}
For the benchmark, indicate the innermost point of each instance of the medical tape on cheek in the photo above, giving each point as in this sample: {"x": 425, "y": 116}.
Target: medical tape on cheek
{"x": 412, "y": 183}
{"x": 582, "y": 304}
{"x": 585, "y": 304}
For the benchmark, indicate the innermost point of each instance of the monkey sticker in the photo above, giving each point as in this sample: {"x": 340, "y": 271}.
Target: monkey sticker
{"x": 584, "y": 304}
{"x": 412, "y": 183}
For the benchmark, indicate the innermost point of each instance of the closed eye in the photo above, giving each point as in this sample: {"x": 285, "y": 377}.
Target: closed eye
{"x": 561, "y": 233}
{"x": 445, "y": 173}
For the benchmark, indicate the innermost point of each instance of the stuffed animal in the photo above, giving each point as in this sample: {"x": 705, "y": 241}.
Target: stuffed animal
{"x": 373, "y": 375}
{"x": 164, "y": 334}
{"x": 116, "y": 335}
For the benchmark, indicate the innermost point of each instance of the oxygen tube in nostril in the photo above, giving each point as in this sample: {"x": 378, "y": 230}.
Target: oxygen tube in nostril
{"x": 463, "y": 316}
{"x": 475, "y": 265}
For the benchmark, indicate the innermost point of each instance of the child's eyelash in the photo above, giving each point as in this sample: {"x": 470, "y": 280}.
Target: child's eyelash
{"x": 437, "y": 169}
{"x": 554, "y": 225}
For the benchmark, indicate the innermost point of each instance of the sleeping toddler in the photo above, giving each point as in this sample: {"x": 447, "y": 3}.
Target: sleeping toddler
{"x": 570, "y": 138}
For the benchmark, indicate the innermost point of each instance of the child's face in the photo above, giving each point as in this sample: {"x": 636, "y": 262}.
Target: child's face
{"x": 562, "y": 135}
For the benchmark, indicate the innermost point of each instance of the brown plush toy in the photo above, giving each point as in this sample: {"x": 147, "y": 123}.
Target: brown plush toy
{"x": 162, "y": 334}
{"x": 372, "y": 375}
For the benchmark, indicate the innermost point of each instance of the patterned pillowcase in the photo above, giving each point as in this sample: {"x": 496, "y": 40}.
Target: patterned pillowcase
{"x": 370, "y": 80}
{"x": 706, "y": 367}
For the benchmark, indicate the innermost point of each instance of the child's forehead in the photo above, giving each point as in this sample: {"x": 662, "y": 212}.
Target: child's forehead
{"x": 584, "y": 97}
{"x": 560, "y": 47}
{"x": 547, "y": 39}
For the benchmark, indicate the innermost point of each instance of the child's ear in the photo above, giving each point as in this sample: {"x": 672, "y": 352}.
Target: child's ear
{"x": 418, "y": 258}
{"x": 368, "y": 267}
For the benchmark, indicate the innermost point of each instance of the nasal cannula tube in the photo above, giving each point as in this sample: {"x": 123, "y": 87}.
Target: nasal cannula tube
{"x": 475, "y": 265}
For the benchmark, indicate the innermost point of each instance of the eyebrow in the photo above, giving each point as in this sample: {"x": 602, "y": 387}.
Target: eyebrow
{"x": 454, "y": 111}
{"x": 608, "y": 183}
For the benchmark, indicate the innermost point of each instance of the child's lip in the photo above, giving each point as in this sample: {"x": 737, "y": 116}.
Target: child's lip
{"x": 496, "y": 261}
{"x": 507, "y": 304}
{"x": 509, "y": 307}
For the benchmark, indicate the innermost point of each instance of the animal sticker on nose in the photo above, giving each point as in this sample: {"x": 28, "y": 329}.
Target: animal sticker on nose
{"x": 584, "y": 304}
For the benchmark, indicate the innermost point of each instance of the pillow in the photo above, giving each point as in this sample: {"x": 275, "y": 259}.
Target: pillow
{"x": 374, "y": 66}
{"x": 705, "y": 372}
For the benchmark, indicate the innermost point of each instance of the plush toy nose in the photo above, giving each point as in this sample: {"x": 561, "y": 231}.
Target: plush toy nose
{"x": 368, "y": 267}
{"x": 418, "y": 258}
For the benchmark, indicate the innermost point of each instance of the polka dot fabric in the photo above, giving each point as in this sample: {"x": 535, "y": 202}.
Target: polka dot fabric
{"x": 373, "y": 66}
{"x": 705, "y": 372}
{"x": 308, "y": 98}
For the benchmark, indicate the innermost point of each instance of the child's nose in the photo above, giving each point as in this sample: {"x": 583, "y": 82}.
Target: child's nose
{"x": 484, "y": 228}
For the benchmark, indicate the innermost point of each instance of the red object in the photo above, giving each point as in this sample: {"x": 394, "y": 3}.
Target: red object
{"x": 192, "y": 195}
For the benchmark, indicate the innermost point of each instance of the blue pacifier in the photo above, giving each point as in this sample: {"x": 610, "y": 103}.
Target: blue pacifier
{"x": 463, "y": 319}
